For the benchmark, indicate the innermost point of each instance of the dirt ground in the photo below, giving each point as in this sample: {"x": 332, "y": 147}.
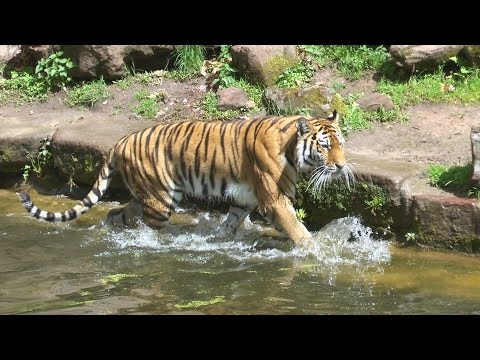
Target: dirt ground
{"x": 435, "y": 133}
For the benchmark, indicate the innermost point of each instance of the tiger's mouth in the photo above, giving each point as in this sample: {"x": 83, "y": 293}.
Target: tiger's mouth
{"x": 323, "y": 175}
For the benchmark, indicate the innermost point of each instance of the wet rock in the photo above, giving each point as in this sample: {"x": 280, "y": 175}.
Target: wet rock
{"x": 262, "y": 64}
{"x": 445, "y": 221}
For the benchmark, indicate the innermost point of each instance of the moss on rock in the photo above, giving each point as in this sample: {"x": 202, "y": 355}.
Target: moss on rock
{"x": 275, "y": 66}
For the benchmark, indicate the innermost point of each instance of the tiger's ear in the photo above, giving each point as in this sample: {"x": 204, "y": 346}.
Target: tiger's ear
{"x": 302, "y": 126}
{"x": 334, "y": 117}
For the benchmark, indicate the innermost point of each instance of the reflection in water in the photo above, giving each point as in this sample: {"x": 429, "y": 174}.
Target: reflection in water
{"x": 84, "y": 267}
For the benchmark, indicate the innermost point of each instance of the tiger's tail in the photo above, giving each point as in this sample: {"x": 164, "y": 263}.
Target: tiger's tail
{"x": 98, "y": 189}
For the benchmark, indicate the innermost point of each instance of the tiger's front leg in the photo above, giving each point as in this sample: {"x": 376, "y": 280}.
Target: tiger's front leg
{"x": 282, "y": 214}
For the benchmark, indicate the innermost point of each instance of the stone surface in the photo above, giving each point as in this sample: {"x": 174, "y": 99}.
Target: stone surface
{"x": 446, "y": 222}
{"x": 262, "y": 64}
{"x": 110, "y": 61}
{"x": 79, "y": 154}
{"x": 372, "y": 102}
{"x": 91, "y": 61}
{"x": 232, "y": 99}
{"x": 22, "y": 136}
{"x": 7, "y": 52}
{"x": 316, "y": 99}
{"x": 472, "y": 54}
{"x": 28, "y": 56}
{"x": 421, "y": 57}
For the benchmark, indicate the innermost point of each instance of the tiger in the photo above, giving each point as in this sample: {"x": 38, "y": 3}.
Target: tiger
{"x": 250, "y": 163}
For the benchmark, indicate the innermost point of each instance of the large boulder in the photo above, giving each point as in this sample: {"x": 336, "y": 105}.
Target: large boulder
{"x": 24, "y": 56}
{"x": 7, "y": 52}
{"x": 422, "y": 57}
{"x": 110, "y": 61}
{"x": 472, "y": 54}
{"x": 315, "y": 100}
{"x": 262, "y": 64}
{"x": 93, "y": 61}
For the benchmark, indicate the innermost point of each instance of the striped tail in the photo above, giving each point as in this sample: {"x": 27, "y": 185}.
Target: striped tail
{"x": 101, "y": 185}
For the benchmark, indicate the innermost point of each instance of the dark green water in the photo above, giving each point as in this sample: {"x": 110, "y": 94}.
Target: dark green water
{"x": 84, "y": 268}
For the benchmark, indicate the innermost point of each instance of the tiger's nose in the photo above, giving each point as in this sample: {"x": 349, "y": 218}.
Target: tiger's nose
{"x": 339, "y": 166}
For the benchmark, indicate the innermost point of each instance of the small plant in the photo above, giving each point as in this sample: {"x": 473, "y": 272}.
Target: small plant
{"x": 410, "y": 237}
{"x": 474, "y": 192}
{"x": 54, "y": 70}
{"x": 301, "y": 214}
{"x": 90, "y": 164}
{"x": 28, "y": 87}
{"x": 463, "y": 70}
{"x": 220, "y": 73}
{"x": 88, "y": 94}
{"x": 296, "y": 76}
{"x": 354, "y": 118}
{"x": 375, "y": 204}
{"x": 147, "y": 105}
{"x": 36, "y": 163}
{"x": 117, "y": 109}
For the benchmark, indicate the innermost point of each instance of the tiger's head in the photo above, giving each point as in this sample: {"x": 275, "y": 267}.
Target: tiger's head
{"x": 320, "y": 151}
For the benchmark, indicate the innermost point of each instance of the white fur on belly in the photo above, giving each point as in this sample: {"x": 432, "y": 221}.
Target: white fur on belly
{"x": 242, "y": 194}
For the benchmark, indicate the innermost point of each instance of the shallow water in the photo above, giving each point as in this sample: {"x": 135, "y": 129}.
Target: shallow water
{"x": 82, "y": 267}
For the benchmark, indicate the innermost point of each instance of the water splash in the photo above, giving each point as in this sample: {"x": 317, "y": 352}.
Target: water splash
{"x": 343, "y": 241}
{"x": 346, "y": 241}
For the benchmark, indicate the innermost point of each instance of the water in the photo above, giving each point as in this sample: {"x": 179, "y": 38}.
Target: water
{"x": 84, "y": 268}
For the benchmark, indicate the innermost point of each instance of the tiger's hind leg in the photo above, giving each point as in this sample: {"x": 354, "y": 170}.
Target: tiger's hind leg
{"x": 126, "y": 216}
{"x": 235, "y": 218}
{"x": 157, "y": 210}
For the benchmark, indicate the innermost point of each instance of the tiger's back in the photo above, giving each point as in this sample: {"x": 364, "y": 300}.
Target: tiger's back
{"x": 250, "y": 163}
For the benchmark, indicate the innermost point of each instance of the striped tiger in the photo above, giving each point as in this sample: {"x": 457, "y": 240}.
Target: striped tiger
{"x": 252, "y": 163}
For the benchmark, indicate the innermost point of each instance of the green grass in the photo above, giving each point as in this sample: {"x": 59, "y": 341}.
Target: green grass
{"x": 26, "y": 86}
{"x": 354, "y": 118}
{"x": 433, "y": 87}
{"x": 455, "y": 178}
{"x": 188, "y": 61}
{"x": 88, "y": 94}
{"x": 296, "y": 76}
{"x": 351, "y": 61}
{"x": 147, "y": 105}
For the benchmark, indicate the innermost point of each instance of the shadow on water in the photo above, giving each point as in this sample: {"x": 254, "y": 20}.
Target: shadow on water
{"x": 189, "y": 267}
